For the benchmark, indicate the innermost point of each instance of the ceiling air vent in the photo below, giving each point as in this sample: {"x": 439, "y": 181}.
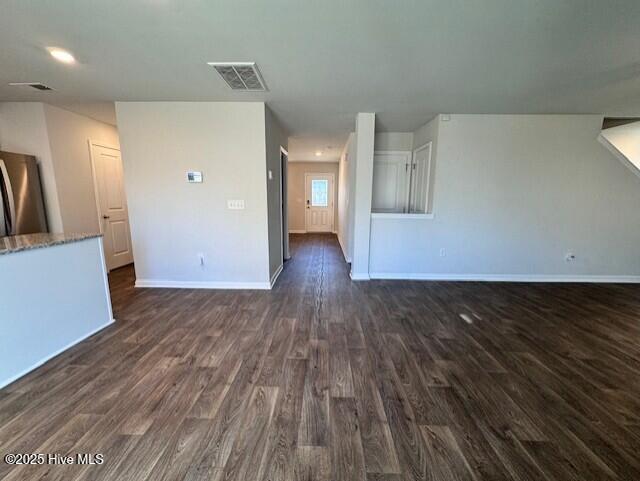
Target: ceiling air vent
{"x": 35, "y": 85}
{"x": 240, "y": 75}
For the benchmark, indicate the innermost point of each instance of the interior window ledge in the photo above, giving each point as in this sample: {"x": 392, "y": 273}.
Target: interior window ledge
{"x": 400, "y": 215}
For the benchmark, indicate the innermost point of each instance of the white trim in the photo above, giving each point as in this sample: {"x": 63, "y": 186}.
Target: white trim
{"x": 275, "y": 276}
{"x": 285, "y": 152}
{"x": 400, "y": 215}
{"x": 359, "y": 277}
{"x": 504, "y": 277}
{"x": 201, "y": 284}
{"x": 297, "y": 231}
{"x": 39, "y": 363}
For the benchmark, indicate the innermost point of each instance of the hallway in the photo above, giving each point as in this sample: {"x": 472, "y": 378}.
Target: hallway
{"x": 325, "y": 379}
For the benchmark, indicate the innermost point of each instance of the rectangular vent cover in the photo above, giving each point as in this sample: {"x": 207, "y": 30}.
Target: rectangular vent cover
{"x": 35, "y": 85}
{"x": 240, "y": 75}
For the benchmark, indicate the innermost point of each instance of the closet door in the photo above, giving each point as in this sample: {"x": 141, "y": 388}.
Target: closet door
{"x": 391, "y": 177}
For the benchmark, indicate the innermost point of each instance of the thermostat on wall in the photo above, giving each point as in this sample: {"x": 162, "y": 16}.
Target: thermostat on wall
{"x": 194, "y": 177}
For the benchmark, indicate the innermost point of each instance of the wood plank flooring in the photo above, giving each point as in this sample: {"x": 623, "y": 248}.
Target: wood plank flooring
{"x": 325, "y": 379}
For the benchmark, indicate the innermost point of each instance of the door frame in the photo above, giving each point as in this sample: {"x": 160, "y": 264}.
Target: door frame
{"x": 333, "y": 198}
{"x": 96, "y": 191}
{"x": 427, "y": 203}
{"x": 284, "y": 213}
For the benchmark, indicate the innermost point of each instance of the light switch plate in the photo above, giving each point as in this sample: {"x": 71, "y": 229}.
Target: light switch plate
{"x": 235, "y": 204}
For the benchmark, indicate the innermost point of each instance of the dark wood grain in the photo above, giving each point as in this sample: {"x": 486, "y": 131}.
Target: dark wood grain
{"x": 325, "y": 379}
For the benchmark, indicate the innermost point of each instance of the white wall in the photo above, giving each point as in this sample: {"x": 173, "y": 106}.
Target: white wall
{"x": 69, "y": 136}
{"x": 364, "y": 141}
{"x": 427, "y": 133}
{"x": 275, "y": 137}
{"x": 346, "y": 178}
{"x": 382, "y": 141}
{"x": 297, "y": 201}
{"x": 393, "y": 141}
{"x": 513, "y": 195}
{"x": 23, "y": 129}
{"x": 173, "y": 221}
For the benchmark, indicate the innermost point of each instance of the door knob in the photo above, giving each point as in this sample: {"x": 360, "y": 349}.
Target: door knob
{"x": 106, "y": 217}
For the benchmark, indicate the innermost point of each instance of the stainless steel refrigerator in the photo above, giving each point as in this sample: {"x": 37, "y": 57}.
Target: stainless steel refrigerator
{"x": 21, "y": 203}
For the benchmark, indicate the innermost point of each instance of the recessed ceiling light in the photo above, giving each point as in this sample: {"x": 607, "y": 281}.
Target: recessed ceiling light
{"x": 61, "y": 55}
{"x": 318, "y": 153}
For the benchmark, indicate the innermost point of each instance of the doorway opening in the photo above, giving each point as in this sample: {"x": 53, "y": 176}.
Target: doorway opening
{"x": 111, "y": 204}
{"x": 284, "y": 217}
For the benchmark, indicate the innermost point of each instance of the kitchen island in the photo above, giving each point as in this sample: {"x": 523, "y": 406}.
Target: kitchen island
{"x": 54, "y": 293}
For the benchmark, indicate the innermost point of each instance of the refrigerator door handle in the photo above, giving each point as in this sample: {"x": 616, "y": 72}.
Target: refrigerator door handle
{"x": 12, "y": 207}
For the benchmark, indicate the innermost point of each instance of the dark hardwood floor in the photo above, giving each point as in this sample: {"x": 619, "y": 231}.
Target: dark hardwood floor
{"x": 325, "y": 379}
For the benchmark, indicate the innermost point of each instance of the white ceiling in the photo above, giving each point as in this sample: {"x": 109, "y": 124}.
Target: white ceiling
{"x": 325, "y": 61}
{"x": 304, "y": 148}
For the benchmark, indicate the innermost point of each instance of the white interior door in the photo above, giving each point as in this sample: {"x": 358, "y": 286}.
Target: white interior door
{"x": 391, "y": 176}
{"x": 319, "y": 202}
{"x": 112, "y": 206}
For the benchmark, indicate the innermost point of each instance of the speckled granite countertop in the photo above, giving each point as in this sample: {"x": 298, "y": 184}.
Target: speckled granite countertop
{"x": 9, "y": 245}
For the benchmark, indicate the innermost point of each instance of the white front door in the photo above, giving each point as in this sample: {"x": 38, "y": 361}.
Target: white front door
{"x": 319, "y": 202}
{"x": 112, "y": 206}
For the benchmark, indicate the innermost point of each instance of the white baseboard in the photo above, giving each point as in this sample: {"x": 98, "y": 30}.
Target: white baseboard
{"x": 6, "y": 382}
{"x": 275, "y": 276}
{"x": 359, "y": 277}
{"x": 297, "y": 231}
{"x": 202, "y": 284}
{"x": 410, "y": 276}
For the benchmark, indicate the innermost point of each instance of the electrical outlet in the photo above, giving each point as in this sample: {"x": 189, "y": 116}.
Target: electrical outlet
{"x": 443, "y": 252}
{"x": 570, "y": 257}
